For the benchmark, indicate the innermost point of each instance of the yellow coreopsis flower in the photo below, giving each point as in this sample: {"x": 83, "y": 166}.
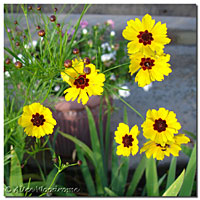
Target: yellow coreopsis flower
{"x": 37, "y": 120}
{"x": 145, "y": 35}
{"x": 160, "y": 126}
{"x": 151, "y": 68}
{"x": 128, "y": 142}
{"x": 85, "y": 81}
{"x": 159, "y": 152}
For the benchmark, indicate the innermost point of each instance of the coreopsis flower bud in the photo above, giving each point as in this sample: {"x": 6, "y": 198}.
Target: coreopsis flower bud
{"x": 30, "y": 7}
{"x": 68, "y": 63}
{"x": 24, "y": 37}
{"x": 75, "y": 51}
{"x": 7, "y": 61}
{"x": 41, "y": 33}
{"x": 39, "y": 8}
{"x": 52, "y": 18}
{"x": 79, "y": 162}
{"x": 12, "y": 38}
{"x": 87, "y": 70}
{"x": 17, "y": 44}
{"x": 15, "y": 22}
{"x": 55, "y": 9}
{"x": 86, "y": 61}
{"x": 18, "y": 64}
{"x": 58, "y": 25}
{"x": 38, "y": 27}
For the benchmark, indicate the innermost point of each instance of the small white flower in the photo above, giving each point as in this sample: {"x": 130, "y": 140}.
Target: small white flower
{"x": 29, "y": 44}
{"x": 147, "y": 87}
{"x": 19, "y": 56}
{"x": 112, "y": 33}
{"x": 84, "y": 31}
{"x": 112, "y": 77}
{"x": 124, "y": 93}
{"x": 105, "y": 46}
{"x": 57, "y": 88}
{"x": 105, "y": 57}
{"x": 7, "y": 74}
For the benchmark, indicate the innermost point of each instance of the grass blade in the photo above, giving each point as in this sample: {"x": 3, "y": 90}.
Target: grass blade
{"x": 16, "y": 179}
{"x": 110, "y": 192}
{"x": 186, "y": 189}
{"x": 96, "y": 147}
{"x": 174, "y": 189}
{"x": 136, "y": 177}
{"x": 151, "y": 177}
{"x": 86, "y": 173}
{"x": 172, "y": 172}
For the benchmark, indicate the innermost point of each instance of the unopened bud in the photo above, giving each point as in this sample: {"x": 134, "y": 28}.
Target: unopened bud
{"x": 86, "y": 61}
{"x": 18, "y": 64}
{"x": 79, "y": 162}
{"x": 68, "y": 63}
{"x": 87, "y": 70}
{"x": 7, "y": 61}
{"x": 75, "y": 51}
{"x": 52, "y": 18}
{"x": 41, "y": 33}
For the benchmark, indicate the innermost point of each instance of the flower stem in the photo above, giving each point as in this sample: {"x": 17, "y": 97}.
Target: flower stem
{"x": 126, "y": 103}
{"x": 114, "y": 67}
{"x": 50, "y": 86}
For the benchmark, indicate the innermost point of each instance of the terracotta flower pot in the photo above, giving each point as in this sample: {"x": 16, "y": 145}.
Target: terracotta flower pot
{"x": 72, "y": 118}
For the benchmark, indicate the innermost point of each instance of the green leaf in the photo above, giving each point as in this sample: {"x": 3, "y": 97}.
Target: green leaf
{"x": 16, "y": 179}
{"x": 123, "y": 174}
{"x": 172, "y": 172}
{"x": 96, "y": 147}
{"x": 82, "y": 145}
{"x": 115, "y": 165}
{"x": 110, "y": 192}
{"x": 151, "y": 177}
{"x": 136, "y": 177}
{"x": 186, "y": 150}
{"x": 186, "y": 189}
{"x": 161, "y": 179}
{"x": 107, "y": 137}
{"x": 86, "y": 173}
{"x": 50, "y": 177}
{"x": 174, "y": 189}
{"x": 87, "y": 151}
{"x": 190, "y": 134}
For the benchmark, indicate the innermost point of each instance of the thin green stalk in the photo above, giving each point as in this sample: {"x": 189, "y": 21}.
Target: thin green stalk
{"x": 6, "y": 123}
{"x": 40, "y": 169}
{"x": 126, "y": 103}
{"x": 50, "y": 86}
{"x": 9, "y": 36}
{"x": 115, "y": 67}
{"x": 25, "y": 14}
{"x": 58, "y": 172}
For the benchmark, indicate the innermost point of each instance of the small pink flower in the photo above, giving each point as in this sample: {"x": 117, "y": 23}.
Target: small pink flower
{"x": 111, "y": 23}
{"x": 9, "y": 30}
{"x": 83, "y": 23}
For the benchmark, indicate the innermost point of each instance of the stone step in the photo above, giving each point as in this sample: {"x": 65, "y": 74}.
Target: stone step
{"x": 182, "y": 30}
{"x": 123, "y": 9}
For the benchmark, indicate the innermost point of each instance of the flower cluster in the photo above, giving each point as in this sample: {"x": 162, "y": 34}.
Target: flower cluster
{"x": 160, "y": 127}
{"x": 145, "y": 49}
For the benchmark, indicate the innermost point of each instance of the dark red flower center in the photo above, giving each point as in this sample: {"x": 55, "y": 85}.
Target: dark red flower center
{"x": 127, "y": 140}
{"x": 38, "y": 119}
{"x": 145, "y": 37}
{"x": 81, "y": 82}
{"x": 147, "y": 63}
{"x": 163, "y": 148}
{"x": 160, "y": 125}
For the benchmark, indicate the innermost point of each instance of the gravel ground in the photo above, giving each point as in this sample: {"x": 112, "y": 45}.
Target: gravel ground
{"x": 177, "y": 93}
